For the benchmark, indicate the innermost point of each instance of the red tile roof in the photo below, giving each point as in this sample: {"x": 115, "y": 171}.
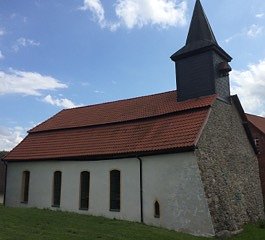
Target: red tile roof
{"x": 121, "y": 111}
{"x": 258, "y": 122}
{"x": 150, "y": 124}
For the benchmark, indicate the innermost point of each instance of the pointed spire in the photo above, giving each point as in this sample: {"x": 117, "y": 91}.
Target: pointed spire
{"x": 200, "y": 29}
{"x": 200, "y": 37}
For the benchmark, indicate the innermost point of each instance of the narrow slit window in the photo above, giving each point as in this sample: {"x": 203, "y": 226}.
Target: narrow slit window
{"x": 115, "y": 191}
{"x": 157, "y": 210}
{"x": 84, "y": 190}
{"x": 25, "y": 187}
{"x": 57, "y": 182}
{"x": 257, "y": 144}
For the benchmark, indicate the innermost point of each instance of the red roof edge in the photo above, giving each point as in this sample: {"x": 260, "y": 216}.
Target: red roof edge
{"x": 110, "y": 157}
{"x": 249, "y": 116}
{"x": 202, "y": 127}
{"x": 32, "y": 129}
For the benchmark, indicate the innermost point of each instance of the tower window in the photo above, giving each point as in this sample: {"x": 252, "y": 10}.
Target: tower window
{"x": 57, "y": 182}
{"x": 157, "y": 210}
{"x": 115, "y": 191}
{"x": 257, "y": 144}
{"x": 25, "y": 187}
{"x": 84, "y": 190}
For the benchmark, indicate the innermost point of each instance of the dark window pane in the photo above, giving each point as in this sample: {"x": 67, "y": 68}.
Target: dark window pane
{"x": 84, "y": 190}
{"x": 57, "y": 181}
{"x": 115, "y": 190}
{"x": 25, "y": 186}
{"x": 157, "y": 210}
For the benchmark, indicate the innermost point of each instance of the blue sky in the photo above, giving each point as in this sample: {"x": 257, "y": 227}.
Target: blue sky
{"x": 66, "y": 53}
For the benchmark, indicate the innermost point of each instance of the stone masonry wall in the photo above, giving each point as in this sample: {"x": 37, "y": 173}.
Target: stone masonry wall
{"x": 229, "y": 170}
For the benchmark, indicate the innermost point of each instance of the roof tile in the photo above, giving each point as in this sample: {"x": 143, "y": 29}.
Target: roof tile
{"x": 120, "y": 111}
{"x": 257, "y": 121}
{"x": 166, "y": 132}
{"x": 153, "y": 123}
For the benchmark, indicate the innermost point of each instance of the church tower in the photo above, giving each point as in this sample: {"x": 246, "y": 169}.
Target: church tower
{"x": 201, "y": 65}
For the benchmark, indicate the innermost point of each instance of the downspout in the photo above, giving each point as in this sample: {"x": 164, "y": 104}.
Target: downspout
{"x": 5, "y": 163}
{"x": 141, "y": 188}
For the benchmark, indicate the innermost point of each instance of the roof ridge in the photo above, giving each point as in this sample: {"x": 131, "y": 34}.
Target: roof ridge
{"x": 120, "y": 100}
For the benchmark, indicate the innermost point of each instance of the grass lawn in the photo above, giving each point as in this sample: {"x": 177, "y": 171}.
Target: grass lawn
{"x": 27, "y": 224}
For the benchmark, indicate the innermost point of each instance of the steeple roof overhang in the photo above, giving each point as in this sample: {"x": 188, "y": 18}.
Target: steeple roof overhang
{"x": 197, "y": 48}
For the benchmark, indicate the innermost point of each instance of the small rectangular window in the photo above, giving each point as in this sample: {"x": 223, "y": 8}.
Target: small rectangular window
{"x": 84, "y": 190}
{"x": 115, "y": 191}
{"x": 257, "y": 144}
{"x": 57, "y": 182}
{"x": 25, "y": 187}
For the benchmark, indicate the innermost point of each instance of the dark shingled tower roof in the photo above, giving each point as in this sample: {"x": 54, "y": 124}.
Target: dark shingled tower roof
{"x": 200, "y": 36}
{"x": 200, "y": 29}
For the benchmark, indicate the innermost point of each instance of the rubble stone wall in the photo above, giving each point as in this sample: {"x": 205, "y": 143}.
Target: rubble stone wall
{"x": 229, "y": 170}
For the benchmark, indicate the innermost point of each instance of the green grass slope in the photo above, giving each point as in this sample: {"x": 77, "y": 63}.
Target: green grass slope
{"x": 29, "y": 224}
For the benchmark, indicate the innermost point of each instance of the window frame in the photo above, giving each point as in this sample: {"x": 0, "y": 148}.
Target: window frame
{"x": 81, "y": 191}
{"x": 56, "y": 202}
{"x": 114, "y": 196}
{"x": 25, "y": 187}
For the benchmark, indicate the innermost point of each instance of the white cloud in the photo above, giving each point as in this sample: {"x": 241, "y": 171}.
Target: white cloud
{"x": 259, "y": 15}
{"x": 2, "y": 32}
{"x": 249, "y": 84}
{"x": 59, "y": 102}
{"x": 98, "y": 92}
{"x": 96, "y": 8}
{"x": 10, "y": 137}
{"x": 27, "y": 83}
{"x": 254, "y": 30}
{"x": 138, "y": 13}
{"x": 24, "y": 42}
{"x": 233, "y": 37}
{"x": 1, "y": 55}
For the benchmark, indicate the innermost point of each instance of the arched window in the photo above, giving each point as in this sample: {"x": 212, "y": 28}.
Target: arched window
{"x": 57, "y": 182}
{"x": 157, "y": 210}
{"x": 84, "y": 190}
{"x": 25, "y": 187}
{"x": 115, "y": 191}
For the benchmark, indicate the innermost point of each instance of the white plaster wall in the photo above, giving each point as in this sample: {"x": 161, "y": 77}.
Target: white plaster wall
{"x": 174, "y": 181}
{"x": 41, "y": 181}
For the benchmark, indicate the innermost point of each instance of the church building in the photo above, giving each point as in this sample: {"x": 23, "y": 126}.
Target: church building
{"x": 182, "y": 160}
